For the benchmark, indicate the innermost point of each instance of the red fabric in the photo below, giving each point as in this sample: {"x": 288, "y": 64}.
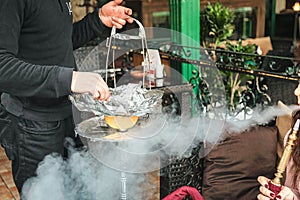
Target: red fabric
{"x": 181, "y": 192}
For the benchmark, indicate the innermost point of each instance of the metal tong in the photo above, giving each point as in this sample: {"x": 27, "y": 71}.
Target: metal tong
{"x": 111, "y": 46}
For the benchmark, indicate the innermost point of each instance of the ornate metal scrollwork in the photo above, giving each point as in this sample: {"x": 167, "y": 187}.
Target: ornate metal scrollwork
{"x": 255, "y": 90}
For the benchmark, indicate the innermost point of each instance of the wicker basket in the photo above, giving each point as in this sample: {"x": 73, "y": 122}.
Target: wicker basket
{"x": 282, "y": 90}
{"x": 183, "y": 172}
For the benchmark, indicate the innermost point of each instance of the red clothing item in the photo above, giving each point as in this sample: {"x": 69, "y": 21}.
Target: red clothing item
{"x": 181, "y": 192}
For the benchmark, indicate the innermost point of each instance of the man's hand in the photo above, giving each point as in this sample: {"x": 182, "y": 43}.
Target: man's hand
{"x": 113, "y": 14}
{"x": 88, "y": 82}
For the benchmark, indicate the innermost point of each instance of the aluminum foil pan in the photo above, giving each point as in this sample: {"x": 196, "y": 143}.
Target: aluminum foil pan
{"x": 125, "y": 100}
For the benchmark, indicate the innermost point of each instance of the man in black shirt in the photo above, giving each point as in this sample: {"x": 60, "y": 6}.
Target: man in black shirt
{"x": 38, "y": 72}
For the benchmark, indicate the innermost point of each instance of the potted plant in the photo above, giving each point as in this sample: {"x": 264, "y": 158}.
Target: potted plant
{"x": 232, "y": 80}
{"x": 216, "y": 25}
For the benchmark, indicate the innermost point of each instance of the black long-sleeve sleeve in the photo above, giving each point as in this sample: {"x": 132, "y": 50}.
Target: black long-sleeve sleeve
{"x": 21, "y": 78}
{"x": 87, "y": 29}
{"x": 37, "y": 39}
{"x": 48, "y": 73}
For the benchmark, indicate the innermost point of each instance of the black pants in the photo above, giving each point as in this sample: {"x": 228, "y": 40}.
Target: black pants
{"x": 27, "y": 142}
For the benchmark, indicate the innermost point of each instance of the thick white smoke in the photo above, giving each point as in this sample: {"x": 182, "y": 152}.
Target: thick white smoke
{"x": 96, "y": 174}
{"x": 81, "y": 177}
{"x": 259, "y": 117}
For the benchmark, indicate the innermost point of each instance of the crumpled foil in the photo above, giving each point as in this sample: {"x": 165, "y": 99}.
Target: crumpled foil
{"x": 125, "y": 100}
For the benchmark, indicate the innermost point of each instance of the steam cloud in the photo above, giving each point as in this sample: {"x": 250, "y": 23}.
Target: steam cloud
{"x": 259, "y": 117}
{"x": 83, "y": 177}
{"x": 96, "y": 174}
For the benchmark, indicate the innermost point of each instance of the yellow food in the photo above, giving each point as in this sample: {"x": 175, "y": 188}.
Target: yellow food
{"x": 120, "y": 122}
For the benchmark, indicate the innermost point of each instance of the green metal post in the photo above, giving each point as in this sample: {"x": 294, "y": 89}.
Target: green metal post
{"x": 190, "y": 26}
{"x": 273, "y": 19}
{"x": 185, "y": 18}
{"x": 270, "y": 17}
